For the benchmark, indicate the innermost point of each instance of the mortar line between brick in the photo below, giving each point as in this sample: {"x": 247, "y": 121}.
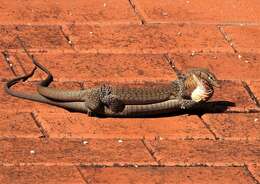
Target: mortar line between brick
{"x": 207, "y": 126}
{"x": 170, "y": 61}
{"x": 82, "y": 175}
{"x": 9, "y": 62}
{"x": 150, "y": 152}
{"x": 20, "y": 64}
{"x": 250, "y": 93}
{"x": 251, "y": 174}
{"x": 137, "y": 12}
{"x": 39, "y": 125}
{"x": 49, "y": 164}
{"x": 105, "y": 51}
{"x": 109, "y": 23}
{"x": 152, "y": 22}
{"x": 66, "y": 37}
{"x": 226, "y": 38}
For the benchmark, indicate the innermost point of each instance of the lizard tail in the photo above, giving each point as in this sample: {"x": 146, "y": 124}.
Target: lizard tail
{"x": 52, "y": 93}
{"x": 72, "y": 106}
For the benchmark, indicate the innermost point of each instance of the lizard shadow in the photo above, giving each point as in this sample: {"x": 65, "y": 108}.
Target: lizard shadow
{"x": 207, "y": 107}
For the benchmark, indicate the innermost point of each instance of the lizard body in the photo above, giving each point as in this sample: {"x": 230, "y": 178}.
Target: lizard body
{"x": 172, "y": 105}
{"x": 168, "y": 106}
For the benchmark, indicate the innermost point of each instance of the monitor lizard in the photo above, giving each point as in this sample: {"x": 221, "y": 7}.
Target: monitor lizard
{"x": 194, "y": 86}
{"x": 168, "y": 106}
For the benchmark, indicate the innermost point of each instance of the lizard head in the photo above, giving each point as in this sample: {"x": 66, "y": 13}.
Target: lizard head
{"x": 203, "y": 74}
{"x": 200, "y": 83}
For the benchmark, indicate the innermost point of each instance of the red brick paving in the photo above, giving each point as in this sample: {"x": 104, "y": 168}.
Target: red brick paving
{"x": 234, "y": 125}
{"x": 153, "y": 38}
{"x": 131, "y": 42}
{"x": 79, "y": 126}
{"x": 203, "y": 175}
{"x": 209, "y": 152}
{"x": 35, "y": 37}
{"x": 244, "y": 38}
{"x": 203, "y": 12}
{"x": 255, "y": 170}
{"x": 40, "y": 174}
{"x": 18, "y": 125}
{"x": 102, "y": 67}
{"x": 234, "y": 91}
{"x": 64, "y": 12}
{"x": 222, "y": 64}
{"x": 255, "y": 87}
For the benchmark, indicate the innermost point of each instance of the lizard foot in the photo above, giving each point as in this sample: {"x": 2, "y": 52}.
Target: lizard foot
{"x": 110, "y": 100}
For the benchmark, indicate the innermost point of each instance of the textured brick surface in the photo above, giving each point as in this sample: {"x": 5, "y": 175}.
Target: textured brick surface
{"x": 147, "y": 39}
{"x": 255, "y": 87}
{"x": 102, "y": 67}
{"x": 18, "y": 125}
{"x": 208, "y": 11}
{"x": 4, "y": 69}
{"x": 232, "y": 96}
{"x": 40, "y": 174}
{"x": 74, "y": 151}
{"x": 35, "y": 37}
{"x": 221, "y": 64}
{"x": 255, "y": 170}
{"x": 178, "y": 175}
{"x": 220, "y": 152}
{"x": 234, "y": 125}
{"x": 62, "y": 12}
{"x": 131, "y": 42}
{"x": 244, "y": 38}
{"x": 78, "y": 125}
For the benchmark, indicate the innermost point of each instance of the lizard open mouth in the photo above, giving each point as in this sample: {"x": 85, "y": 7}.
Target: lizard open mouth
{"x": 202, "y": 92}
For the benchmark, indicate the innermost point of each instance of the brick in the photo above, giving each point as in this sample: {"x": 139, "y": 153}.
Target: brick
{"x": 221, "y": 64}
{"x": 18, "y": 125}
{"x": 210, "y": 152}
{"x": 40, "y": 174}
{"x": 177, "y": 175}
{"x": 255, "y": 170}
{"x": 35, "y": 37}
{"x": 231, "y": 96}
{"x": 102, "y": 67}
{"x": 4, "y": 70}
{"x": 255, "y": 87}
{"x": 64, "y": 12}
{"x": 199, "y": 11}
{"x": 80, "y": 125}
{"x": 155, "y": 38}
{"x": 244, "y": 38}
{"x": 74, "y": 152}
{"x": 234, "y": 125}
{"x": 14, "y": 104}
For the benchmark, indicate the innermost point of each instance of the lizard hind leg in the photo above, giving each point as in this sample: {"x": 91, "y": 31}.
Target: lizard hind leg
{"x": 110, "y": 100}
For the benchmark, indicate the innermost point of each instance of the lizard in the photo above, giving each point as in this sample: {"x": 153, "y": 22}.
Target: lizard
{"x": 168, "y": 106}
{"x": 117, "y": 97}
{"x": 172, "y": 105}
{"x": 196, "y": 85}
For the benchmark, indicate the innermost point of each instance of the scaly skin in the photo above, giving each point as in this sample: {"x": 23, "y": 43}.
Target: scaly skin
{"x": 168, "y": 106}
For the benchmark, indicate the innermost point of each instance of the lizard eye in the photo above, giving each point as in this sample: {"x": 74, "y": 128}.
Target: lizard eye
{"x": 210, "y": 78}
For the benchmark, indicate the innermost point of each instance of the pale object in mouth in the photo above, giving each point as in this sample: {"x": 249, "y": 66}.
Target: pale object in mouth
{"x": 200, "y": 93}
